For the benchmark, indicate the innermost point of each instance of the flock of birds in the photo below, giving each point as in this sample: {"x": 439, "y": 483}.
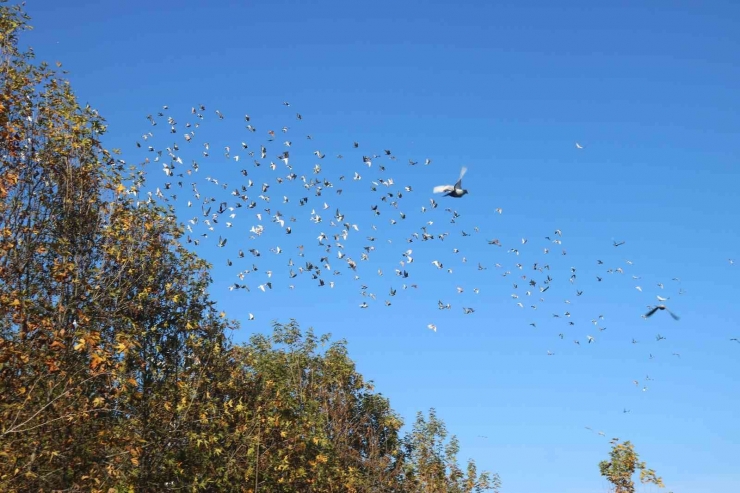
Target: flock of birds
{"x": 211, "y": 216}
{"x": 329, "y": 241}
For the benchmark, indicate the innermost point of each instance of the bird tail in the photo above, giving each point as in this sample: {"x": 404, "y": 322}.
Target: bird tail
{"x": 442, "y": 189}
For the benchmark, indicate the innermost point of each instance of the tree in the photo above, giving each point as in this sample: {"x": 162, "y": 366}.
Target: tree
{"x": 432, "y": 461}
{"x": 303, "y": 419}
{"x": 623, "y": 465}
{"x": 102, "y": 312}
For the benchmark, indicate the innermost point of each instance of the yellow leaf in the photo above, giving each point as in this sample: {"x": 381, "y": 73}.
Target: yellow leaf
{"x": 96, "y": 361}
{"x": 80, "y": 345}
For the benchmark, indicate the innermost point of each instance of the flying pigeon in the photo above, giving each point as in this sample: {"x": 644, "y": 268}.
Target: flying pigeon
{"x": 661, "y": 307}
{"x": 456, "y": 190}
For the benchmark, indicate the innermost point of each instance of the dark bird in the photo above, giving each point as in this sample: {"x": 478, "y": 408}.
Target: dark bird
{"x": 661, "y": 307}
{"x": 455, "y": 190}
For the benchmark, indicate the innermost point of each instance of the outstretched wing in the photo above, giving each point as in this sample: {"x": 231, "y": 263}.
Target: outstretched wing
{"x": 652, "y": 312}
{"x": 675, "y": 317}
{"x": 459, "y": 180}
{"x": 443, "y": 189}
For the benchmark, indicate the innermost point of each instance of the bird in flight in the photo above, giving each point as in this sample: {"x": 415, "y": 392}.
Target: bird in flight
{"x": 661, "y": 307}
{"x": 455, "y": 190}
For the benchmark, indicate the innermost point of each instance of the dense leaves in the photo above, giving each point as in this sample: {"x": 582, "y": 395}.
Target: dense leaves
{"x": 621, "y": 467}
{"x": 116, "y": 372}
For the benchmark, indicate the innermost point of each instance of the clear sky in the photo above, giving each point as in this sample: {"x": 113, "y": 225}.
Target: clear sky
{"x": 648, "y": 89}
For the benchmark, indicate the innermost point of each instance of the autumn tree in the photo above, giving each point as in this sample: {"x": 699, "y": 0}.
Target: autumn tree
{"x": 303, "y": 419}
{"x": 432, "y": 465}
{"x": 298, "y": 417}
{"x": 621, "y": 468}
{"x": 50, "y": 361}
{"x": 103, "y": 315}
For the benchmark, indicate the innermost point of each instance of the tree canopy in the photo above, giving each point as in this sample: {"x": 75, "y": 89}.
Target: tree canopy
{"x": 623, "y": 464}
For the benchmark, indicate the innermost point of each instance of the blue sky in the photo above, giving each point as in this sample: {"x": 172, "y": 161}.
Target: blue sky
{"x": 506, "y": 89}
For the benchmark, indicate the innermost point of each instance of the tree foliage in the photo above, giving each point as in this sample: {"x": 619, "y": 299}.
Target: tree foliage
{"x": 116, "y": 371}
{"x": 621, "y": 467}
{"x": 432, "y": 461}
